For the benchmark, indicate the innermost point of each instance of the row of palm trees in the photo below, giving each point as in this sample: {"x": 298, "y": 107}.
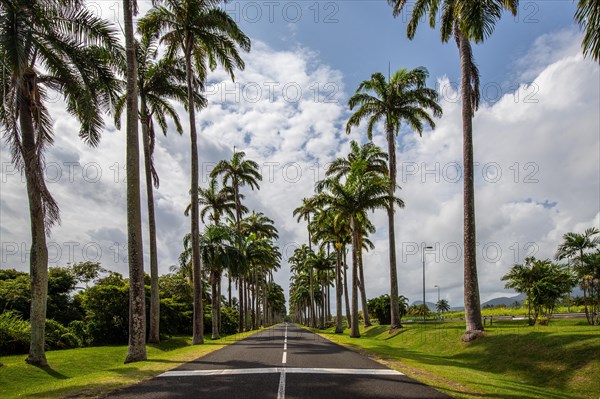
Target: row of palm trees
{"x": 354, "y": 186}
{"x": 62, "y": 46}
{"x": 242, "y": 246}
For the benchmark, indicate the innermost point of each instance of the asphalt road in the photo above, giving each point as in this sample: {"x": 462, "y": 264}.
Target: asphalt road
{"x": 282, "y": 362}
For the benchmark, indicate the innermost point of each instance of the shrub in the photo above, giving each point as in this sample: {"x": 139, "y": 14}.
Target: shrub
{"x": 59, "y": 336}
{"x": 543, "y": 320}
{"x": 14, "y": 334}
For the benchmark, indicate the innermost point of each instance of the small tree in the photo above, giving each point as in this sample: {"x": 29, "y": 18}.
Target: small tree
{"x": 442, "y": 306}
{"x": 543, "y": 282}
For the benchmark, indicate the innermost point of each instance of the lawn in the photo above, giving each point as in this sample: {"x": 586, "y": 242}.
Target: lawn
{"x": 513, "y": 361}
{"x": 95, "y": 371}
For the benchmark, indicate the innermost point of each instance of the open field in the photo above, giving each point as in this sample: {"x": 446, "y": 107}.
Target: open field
{"x": 513, "y": 361}
{"x": 95, "y": 371}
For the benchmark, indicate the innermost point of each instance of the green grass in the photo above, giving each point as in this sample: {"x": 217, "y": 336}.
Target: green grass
{"x": 95, "y": 371}
{"x": 522, "y": 311}
{"x": 512, "y": 361}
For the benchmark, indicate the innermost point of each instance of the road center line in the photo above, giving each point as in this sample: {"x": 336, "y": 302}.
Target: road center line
{"x": 281, "y": 390}
{"x": 284, "y": 359}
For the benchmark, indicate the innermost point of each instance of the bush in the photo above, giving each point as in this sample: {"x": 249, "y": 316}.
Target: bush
{"x": 59, "y": 336}
{"x": 543, "y": 320}
{"x": 229, "y": 320}
{"x": 14, "y": 334}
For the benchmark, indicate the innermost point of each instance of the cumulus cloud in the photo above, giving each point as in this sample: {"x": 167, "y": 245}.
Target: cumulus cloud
{"x": 537, "y": 175}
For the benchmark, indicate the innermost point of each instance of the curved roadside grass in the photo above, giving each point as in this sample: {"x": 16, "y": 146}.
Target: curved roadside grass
{"x": 560, "y": 361}
{"x": 95, "y": 371}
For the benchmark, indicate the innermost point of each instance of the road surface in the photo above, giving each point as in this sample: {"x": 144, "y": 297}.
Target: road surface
{"x": 283, "y": 362}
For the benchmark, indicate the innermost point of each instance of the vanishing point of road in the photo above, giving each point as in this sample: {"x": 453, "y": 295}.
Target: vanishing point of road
{"x": 281, "y": 362}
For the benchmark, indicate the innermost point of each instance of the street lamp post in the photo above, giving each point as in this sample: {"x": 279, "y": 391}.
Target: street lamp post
{"x": 438, "y": 302}
{"x": 423, "y": 253}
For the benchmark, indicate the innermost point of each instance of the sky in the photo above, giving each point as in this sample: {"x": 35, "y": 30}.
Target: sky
{"x": 536, "y": 143}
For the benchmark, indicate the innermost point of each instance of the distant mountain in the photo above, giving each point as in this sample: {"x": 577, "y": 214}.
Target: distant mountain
{"x": 508, "y": 301}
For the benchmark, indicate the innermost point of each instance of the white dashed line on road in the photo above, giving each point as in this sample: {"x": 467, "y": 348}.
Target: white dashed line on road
{"x": 281, "y": 390}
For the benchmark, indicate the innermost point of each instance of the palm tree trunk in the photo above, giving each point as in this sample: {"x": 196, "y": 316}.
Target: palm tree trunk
{"x": 323, "y": 307}
{"x": 219, "y": 301}
{"x": 348, "y": 317}
{"x": 38, "y": 262}
{"x": 136, "y": 350}
{"x": 241, "y": 304}
{"x": 154, "y": 334}
{"x": 229, "y": 288}
{"x": 471, "y": 285}
{"x": 198, "y": 323}
{"x": 394, "y": 307}
{"x": 354, "y": 332}
{"x": 361, "y": 286}
{"x": 215, "y": 307}
{"x": 313, "y": 321}
{"x": 339, "y": 328}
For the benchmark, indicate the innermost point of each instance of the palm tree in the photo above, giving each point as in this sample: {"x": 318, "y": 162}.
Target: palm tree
{"x": 136, "y": 350}
{"x": 303, "y": 212}
{"x": 206, "y": 35}
{"x": 574, "y": 246}
{"x": 362, "y": 191}
{"x": 260, "y": 225}
{"x": 158, "y": 81}
{"x": 323, "y": 264}
{"x": 442, "y": 306}
{"x": 217, "y": 201}
{"x": 219, "y": 249}
{"x": 466, "y": 21}
{"x": 238, "y": 172}
{"x": 404, "y": 98}
{"x": 374, "y": 160}
{"x": 588, "y": 17}
{"x": 327, "y": 227}
{"x": 58, "y": 46}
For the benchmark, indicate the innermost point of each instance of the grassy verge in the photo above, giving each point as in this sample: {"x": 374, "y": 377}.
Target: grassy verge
{"x": 93, "y": 372}
{"x": 513, "y": 361}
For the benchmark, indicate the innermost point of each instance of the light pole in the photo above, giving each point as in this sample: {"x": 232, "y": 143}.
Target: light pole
{"x": 423, "y": 253}
{"x": 438, "y": 302}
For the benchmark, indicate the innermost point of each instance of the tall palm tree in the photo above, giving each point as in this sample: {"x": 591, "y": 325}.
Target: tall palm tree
{"x": 158, "y": 81}
{"x": 404, "y": 98}
{"x": 136, "y": 350}
{"x": 322, "y": 263}
{"x": 466, "y": 21}
{"x": 206, "y": 36}
{"x": 217, "y": 201}
{"x": 588, "y": 17}
{"x": 303, "y": 212}
{"x": 58, "y": 46}
{"x": 374, "y": 160}
{"x": 237, "y": 173}
{"x": 260, "y": 225}
{"x": 219, "y": 249}
{"x": 362, "y": 191}
{"x": 327, "y": 227}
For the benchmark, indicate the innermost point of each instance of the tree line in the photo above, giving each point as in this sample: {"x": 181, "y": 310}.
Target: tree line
{"x": 60, "y": 46}
{"x": 85, "y": 307}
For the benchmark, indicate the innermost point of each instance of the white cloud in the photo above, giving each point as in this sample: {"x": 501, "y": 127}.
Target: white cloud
{"x": 547, "y": 152}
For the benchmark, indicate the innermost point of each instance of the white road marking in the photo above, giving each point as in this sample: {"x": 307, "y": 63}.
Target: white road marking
{"x": 192, "y": 373}
{"x": 275, "y": 370}
{"x": 281, "y": 390}
{"x": 308, "y": 370}
{"x": 284, "y": 359}
{"x": 285, "y": 346}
